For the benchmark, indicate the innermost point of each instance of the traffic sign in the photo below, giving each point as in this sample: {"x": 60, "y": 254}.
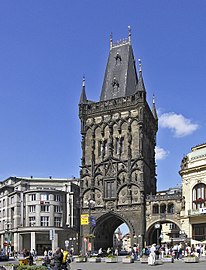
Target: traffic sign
{"x": 84, "y": 219}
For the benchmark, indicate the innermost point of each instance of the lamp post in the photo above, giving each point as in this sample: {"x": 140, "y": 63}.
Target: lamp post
{"x": 71, "y": 244}
{"x": 8, "y": 236}
{"x": 140, "y": 238}
{"x": 90, "y": 203}
{"x": 157, "y": 227}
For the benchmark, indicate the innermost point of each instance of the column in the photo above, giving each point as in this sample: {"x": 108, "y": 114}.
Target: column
{"x": 33, "y": 241}
{"x": 55, "y": 242}
{"x": 16, "y": 241}
{"x": 2, "y": 240}
{"x": 20, "y": 242}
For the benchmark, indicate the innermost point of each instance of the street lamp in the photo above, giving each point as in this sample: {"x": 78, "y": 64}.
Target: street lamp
{"x": 71, "y": 244}
{"x": 91, "y": 204}
{"x": 157, "y": 227}
{"x": 8, "y": 236}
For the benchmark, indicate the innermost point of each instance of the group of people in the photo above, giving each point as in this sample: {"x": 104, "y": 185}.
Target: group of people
{"x": 177, "y": 251}
{"x": 59, "y": 260}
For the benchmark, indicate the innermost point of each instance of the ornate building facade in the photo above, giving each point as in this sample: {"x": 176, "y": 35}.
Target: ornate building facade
{"x": 193, "y": 214}
{"x": 118, "y": 150}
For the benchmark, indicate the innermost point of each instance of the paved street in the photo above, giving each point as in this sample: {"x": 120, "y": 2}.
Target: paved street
{"x": 177, "y": 265}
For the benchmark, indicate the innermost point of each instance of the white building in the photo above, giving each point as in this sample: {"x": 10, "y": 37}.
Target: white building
{"x": 39, "y": 213}
{"x": 193, "y": 214}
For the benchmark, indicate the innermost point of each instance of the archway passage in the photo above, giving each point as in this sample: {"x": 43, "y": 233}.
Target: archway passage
{"x": 105, "y": 232}
{"x": 163, "y": 233}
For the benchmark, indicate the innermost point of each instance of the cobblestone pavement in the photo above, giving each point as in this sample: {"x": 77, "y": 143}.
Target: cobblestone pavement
{"x": 177, "y": 265}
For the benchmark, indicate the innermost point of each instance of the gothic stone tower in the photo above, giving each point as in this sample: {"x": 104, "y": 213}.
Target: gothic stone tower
{"x": 118, "y": 150}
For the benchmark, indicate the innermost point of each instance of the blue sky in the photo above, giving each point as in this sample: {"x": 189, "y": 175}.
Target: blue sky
{"x": 47, "y": 46}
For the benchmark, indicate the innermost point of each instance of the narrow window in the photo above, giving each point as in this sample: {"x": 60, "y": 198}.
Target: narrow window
{"x": 199, "y": 196}
{"x": 57, "y": 221}
{"x": 32, "y": 221}
{"x": 32, "y": 208}
{"x": 109, "y": 189}
{"x": 57, "y": 198}
{"x": 44, "y": 208}
{"x": 32, "y": 197}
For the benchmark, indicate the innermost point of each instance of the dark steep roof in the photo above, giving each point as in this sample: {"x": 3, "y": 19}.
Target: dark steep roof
{"x": 120, "y": 78}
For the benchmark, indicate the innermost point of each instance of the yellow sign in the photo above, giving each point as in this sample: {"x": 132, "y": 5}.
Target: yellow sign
{"x": 84, "y": 219}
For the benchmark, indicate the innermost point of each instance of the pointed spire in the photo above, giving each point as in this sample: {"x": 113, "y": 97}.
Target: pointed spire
{"x": 111, "y": 41}
{"x": 154, "y": 111}
{"x": 83, "y": 97}
{"x": 140, "y": 86}
{"x": 129, "y": 34}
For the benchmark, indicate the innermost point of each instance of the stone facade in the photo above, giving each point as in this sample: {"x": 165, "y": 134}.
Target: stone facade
{"x": 118, "y": 142}
{"x": 163, "y": 216}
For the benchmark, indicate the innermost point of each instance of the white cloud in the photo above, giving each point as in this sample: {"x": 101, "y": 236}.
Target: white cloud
{"x": 179, "y": 125}
{"x": 160, "y": 153}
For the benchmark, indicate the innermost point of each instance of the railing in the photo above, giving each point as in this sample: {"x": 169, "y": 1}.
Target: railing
{"x": 164, "y": 197}
{"x": 197, "y": 212}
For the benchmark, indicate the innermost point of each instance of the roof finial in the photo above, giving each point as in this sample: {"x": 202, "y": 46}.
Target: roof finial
{"x": 129, "y": 33}
{"x": 140, "y": 64}
{"x": 83, "y": 80}
{"x": 111, "y": 41}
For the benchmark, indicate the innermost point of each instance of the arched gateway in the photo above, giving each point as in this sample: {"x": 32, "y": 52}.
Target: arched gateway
{"x": 118, "y": 157}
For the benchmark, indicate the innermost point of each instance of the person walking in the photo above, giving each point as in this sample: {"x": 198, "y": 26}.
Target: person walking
{"x": 152, "y": 255}
{"x": 65, "y": 259}
{"x": 57, "y": 257}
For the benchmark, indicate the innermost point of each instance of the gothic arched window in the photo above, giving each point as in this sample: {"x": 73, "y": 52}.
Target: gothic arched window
{"x": 155, "y": 209}
{"x": 199, "y": 196}
{"x": 163, "y": 208}
{"x": 170, "y": 208}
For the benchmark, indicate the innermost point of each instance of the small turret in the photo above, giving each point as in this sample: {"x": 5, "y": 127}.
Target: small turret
{"x": 154, "y": 111}
{"x": 140, "y": 86}
{"x": 83, "y": 97}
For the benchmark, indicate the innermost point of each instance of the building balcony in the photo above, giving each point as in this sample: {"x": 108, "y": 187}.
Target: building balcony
{"x": 197, "y": 212}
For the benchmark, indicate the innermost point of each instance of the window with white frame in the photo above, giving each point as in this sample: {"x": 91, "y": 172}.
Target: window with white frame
{"x": 44, "y": 197}
{"x": 57, "y": 198}
{"x": 57, "y": 221}
{"x": 57, "y": 209}
{"x": 32, "y": 221}
{"x": 199, "y": 196}
{"x": 172, "y": 226}
{"x": 32, "y": 197}
{"x": 44, "y": 208}
{"x": 32, "y": 208}
{"x": 44, "y": 221}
